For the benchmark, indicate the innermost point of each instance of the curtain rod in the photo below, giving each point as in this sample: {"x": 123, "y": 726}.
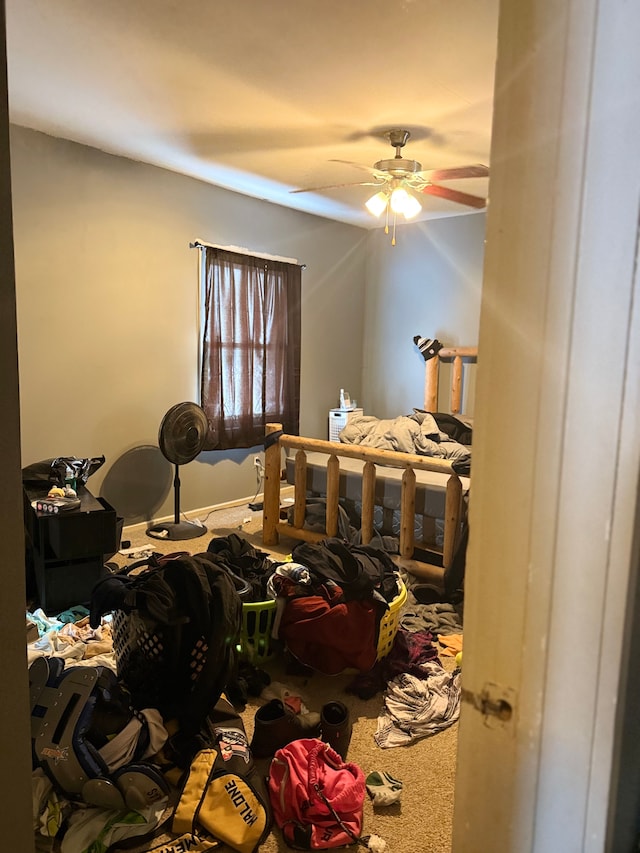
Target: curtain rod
{"x": 200, "y": 244}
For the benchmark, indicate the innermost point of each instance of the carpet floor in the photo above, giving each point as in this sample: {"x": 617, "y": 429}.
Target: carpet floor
{"x": 421, "y": 822}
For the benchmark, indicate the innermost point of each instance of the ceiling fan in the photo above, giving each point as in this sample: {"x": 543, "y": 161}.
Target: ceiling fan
{"x": 397, "y": 178}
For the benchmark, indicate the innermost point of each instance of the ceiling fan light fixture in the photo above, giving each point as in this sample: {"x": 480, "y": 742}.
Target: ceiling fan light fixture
{"x": 412, "y": 207}
{"x": 377, "y": 204}
{"x": 403, "y": 202}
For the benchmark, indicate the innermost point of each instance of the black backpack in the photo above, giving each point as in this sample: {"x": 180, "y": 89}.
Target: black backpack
{"x": 176, "y": 628}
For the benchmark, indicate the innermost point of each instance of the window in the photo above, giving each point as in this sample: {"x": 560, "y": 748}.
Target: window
{"x": 250, "y": 347}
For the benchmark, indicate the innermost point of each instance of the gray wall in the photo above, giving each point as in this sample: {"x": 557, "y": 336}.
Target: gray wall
{"x": 107, "y": 296}
{"x": 428, "y": 284}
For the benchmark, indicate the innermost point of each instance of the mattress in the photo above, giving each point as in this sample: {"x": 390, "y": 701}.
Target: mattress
{"x": 430, "y": 485}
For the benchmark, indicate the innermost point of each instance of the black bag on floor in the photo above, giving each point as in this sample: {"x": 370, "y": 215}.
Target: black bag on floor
{"x": 176, "y": 628}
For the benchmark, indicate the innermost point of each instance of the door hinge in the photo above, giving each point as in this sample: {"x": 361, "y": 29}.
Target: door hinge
{"x": 495, "y": 702}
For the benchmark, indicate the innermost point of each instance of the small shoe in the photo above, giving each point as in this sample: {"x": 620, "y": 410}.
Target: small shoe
{"x": 335, "y": 726}
{"x": 293, "y": 702}
{"x": 275, "y": 727}
{"x": 383, "y": 788}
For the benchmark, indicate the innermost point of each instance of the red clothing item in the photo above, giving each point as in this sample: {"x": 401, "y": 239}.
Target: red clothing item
{"x": 329, "y": 634}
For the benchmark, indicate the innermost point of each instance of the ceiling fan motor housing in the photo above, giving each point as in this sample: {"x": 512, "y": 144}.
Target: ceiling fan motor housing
{"x": 398, "y": 166}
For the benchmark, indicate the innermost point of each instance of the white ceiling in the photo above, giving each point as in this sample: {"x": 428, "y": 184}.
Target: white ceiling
{"x": 259, "y": 96}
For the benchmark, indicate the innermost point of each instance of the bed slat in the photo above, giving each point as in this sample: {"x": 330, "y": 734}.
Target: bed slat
{"x": 407, "y": 513}
{"x": 368, "y": 499}
{"x": 333, "y": 495}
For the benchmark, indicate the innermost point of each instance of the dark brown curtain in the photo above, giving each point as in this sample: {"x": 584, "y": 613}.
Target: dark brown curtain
{"x": 250, "y": 348}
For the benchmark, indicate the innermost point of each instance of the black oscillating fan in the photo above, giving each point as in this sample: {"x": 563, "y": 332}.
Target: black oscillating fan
{"x": 181, "y": 438}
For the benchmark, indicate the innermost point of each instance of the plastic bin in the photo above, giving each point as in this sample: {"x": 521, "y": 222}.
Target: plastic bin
{"x": 255, "y": 635}
{"x": 338, "y": 419}
{"x": 389, "y": 622}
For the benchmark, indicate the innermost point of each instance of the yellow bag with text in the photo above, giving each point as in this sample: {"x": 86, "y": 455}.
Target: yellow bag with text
{"x": 223, "y": 792}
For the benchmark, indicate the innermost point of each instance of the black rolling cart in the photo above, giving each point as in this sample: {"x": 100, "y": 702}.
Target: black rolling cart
{"x": 68, "y": 550}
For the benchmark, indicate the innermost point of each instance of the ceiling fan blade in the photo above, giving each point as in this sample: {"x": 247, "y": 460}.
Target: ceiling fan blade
{"x": 455, "y": 195}
{"x": 369, "y": 169}
{"x": 337, "y": 186}
{"x": 477, "y": 171}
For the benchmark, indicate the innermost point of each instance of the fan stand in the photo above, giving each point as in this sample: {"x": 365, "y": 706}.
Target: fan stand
{"x": 176, "y": 529}
{"x": 181, "y": 438}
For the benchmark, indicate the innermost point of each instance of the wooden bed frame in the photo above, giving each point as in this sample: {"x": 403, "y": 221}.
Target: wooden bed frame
{"x": 275, "y": 520}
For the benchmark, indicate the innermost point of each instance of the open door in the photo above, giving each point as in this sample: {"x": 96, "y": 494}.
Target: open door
{"x": 556, "y": 449}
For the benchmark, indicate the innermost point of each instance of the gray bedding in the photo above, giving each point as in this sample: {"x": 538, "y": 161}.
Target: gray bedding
{"x": 416, "y": 433}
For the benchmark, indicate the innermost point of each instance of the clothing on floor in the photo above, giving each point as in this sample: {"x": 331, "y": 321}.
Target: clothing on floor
{"x": 239, "y": 557}
{"x": 439, "y": 618}
{"x": 362, "y": 571}
{"x": 409, "y": 651}
{"x": 329, "y": 634}
{"x": 91, "y": 829}
{"x": 451, "y": 644}
{"x": 418, "y": 707}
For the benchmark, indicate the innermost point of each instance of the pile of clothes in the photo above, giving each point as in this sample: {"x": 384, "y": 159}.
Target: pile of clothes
{"x": 331, "y": 599}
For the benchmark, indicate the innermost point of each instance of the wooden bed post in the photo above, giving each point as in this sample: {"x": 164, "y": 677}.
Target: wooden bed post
{"x": 456, "y": 386}
{"x": 431, "y": 384}
{"x": 431, "y": 377}
{"x": 452, "y": 511}
{"x": 271, "y": 508}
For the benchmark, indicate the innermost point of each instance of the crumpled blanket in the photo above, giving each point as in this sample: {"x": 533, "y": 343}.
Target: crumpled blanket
{"x": 416, "y": 433}
{"x": 415, "y": 707}
{"x": 439, "y": 618}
